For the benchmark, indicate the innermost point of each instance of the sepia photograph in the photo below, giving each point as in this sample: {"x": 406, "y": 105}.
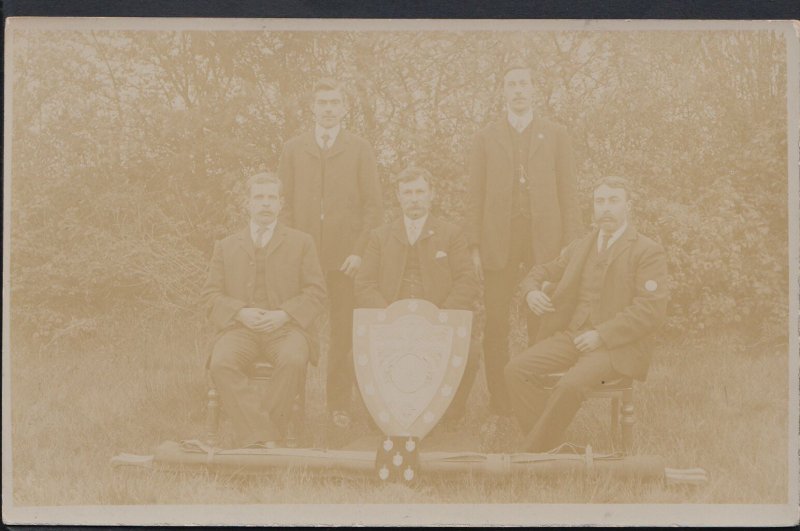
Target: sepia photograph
{"x": 400, "y": 272}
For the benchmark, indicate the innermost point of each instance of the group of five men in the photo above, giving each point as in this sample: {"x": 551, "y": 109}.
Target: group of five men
{"x": 316, "y": 233}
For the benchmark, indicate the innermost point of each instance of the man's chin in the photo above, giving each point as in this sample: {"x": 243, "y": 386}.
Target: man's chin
{"x": 608, "y": 226}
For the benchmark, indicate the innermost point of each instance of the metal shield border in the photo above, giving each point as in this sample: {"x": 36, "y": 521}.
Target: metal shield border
{"x": 365, "y": 323}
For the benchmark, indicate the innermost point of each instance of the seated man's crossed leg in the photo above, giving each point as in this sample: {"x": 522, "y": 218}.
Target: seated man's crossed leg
{"x": 544, "y": 415}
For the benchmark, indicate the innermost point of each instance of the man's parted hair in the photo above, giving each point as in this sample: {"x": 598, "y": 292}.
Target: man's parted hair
{"x": 615, "y": 182}
{"x": 412, "y": 173}
{"x": 264, "y": 178}
{"x": 516, "y": 65}
{"x": 328, "y": 83}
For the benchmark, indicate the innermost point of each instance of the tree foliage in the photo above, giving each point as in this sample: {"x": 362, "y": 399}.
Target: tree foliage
{"x": 129, "y": 149}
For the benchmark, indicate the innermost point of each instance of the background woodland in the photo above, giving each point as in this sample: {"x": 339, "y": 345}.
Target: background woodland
{"x": 130, "y": 150}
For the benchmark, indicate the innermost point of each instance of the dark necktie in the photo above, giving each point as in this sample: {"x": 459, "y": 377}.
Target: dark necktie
{"x": 260, "y": 236}
{"x": 413, "y": 233}
{"x": 326, "y": 139}
{"x": 604, "y": 241}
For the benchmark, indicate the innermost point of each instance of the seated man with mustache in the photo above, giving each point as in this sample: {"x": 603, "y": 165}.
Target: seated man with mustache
{"x": 264, "y": 290}
{"x": 421, "y": 257}
{"x": 610, "y": 296}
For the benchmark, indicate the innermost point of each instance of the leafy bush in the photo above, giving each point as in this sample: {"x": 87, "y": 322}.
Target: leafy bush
{"x": 130, "y": 150}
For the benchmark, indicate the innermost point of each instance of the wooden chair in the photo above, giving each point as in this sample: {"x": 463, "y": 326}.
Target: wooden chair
{"x": 260, "y": 373}
{"x": 620, "y": 391}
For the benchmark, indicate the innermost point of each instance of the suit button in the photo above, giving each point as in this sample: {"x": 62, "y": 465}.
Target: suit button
{"x": 252, "y": 263}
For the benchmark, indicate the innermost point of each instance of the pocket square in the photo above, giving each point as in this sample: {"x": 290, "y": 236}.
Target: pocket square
{"x": 441, "y": 254}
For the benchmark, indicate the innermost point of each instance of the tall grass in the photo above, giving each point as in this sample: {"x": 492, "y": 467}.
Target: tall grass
{"x": 713, "y": 402}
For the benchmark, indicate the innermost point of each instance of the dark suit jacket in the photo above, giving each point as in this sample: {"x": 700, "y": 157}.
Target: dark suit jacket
{"x": 632, "y": 302}
{"x": 294, "y": 280}
{"x": 350, "y": 193}
{"x": 448, "y": 278}
{"x": 554, "y": 212}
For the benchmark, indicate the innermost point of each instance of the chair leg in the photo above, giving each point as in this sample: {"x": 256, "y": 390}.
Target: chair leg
{"x": 628, "y": 420}
{"x": 212, "y": 420}
{"x": 296, "y": 433}
{"x": 614, "y": 420}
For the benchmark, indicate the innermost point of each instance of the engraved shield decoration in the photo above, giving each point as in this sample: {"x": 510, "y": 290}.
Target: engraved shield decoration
{"x": 409, "y": 360}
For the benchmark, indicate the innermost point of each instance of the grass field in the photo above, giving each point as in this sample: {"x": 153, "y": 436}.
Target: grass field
{"x": 712, "y": 402}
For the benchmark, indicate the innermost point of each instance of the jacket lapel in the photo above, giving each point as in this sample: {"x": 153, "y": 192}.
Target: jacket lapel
{"x": 426, "y": 249}
{"x": 278, "y": 236}
{"x": 537, "y": 137}
{"x": 572, "y": 274}
{"x": 620, "y": 246}
{"x": 246, "y": 242}
{"x": 396, "y": 255}
{"x": 399, "y": 231}
{"x": 339, "y": 145}
{"x": 428, "y": 230}
{"x": 309, "y": 143}
{"x": 503, "y": 136}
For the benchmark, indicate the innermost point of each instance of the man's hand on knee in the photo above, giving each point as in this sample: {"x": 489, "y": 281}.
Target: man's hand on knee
{"x": 588, "y": 341}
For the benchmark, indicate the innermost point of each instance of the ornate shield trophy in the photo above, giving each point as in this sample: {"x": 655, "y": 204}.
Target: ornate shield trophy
{"x": 409, "y": 360}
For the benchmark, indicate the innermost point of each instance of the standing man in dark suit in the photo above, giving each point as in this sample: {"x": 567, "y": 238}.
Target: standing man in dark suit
{"x": 610, "y": 296}
{"x": 521, "y": 211}
{"x": 263, "y": 292}
{"x": 332, "y": 192}
{"x": 421, "y": 257}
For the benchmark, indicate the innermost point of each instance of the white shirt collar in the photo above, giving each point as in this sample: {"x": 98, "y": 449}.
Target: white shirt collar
{"x": 520, "y": 122}
{"x": 614, "y": 237}
{"x": 333, "y": 132}
{"x": 414, "y": 227}
{"x": 266, "y": 237}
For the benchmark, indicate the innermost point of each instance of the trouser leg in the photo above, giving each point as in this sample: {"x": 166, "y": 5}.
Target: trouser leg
{"x": 288, "y": 351}
{"x": 457, "y": 407}
{"x": 499, "y": 288}
{"x": 521, "y": 253}
{"x": 524, "y": 373}
{"x": 498, "y": 291}
{"x": 590, "y": 370}
{"x": 232, "y": 354}
{"x": 341, "y": 373}
{"x": 532, "y": 321}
